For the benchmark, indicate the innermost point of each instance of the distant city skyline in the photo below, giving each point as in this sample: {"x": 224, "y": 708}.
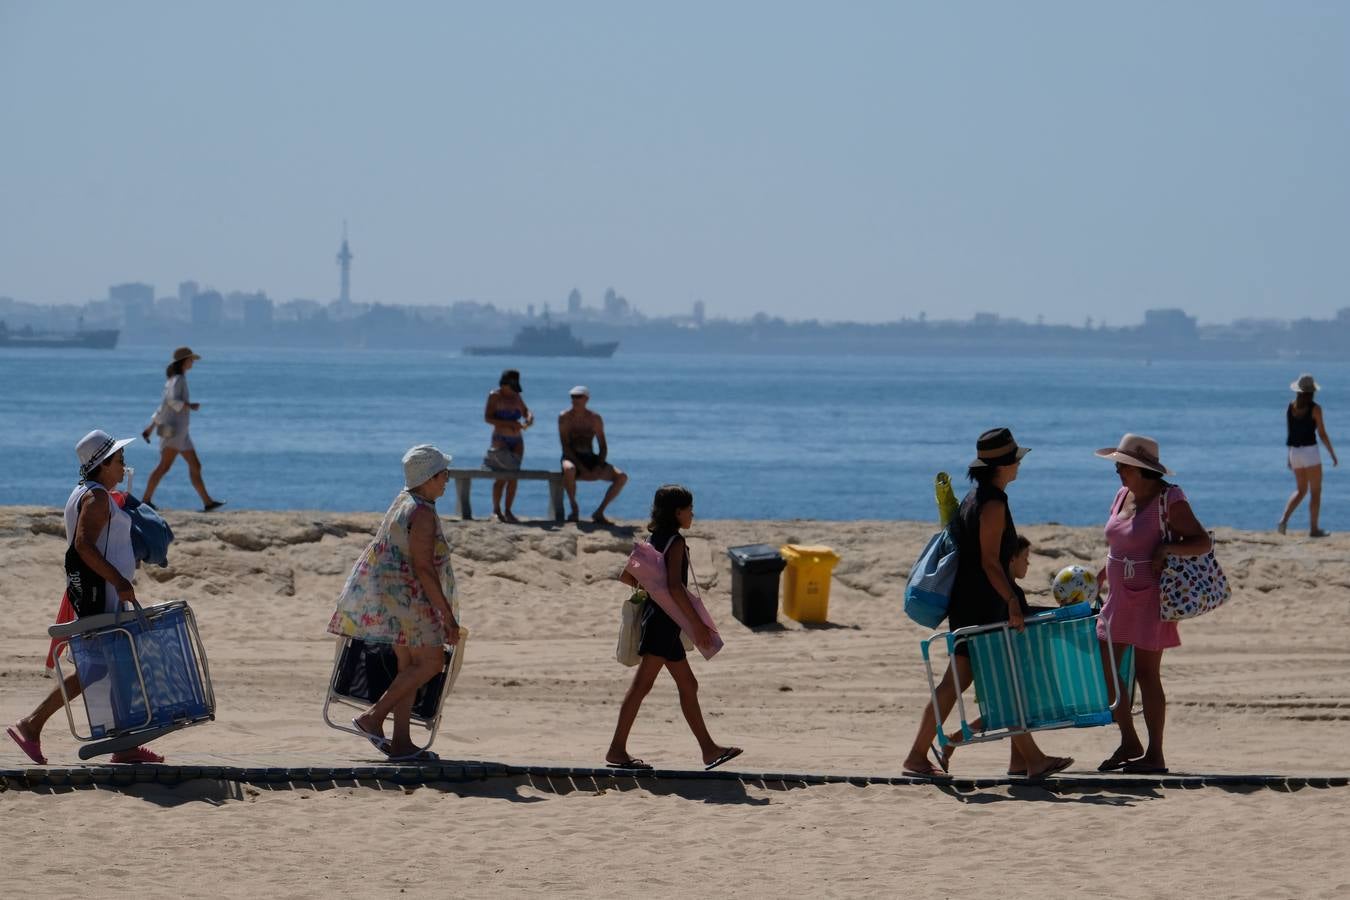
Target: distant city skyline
{"x": 865, "y": 162}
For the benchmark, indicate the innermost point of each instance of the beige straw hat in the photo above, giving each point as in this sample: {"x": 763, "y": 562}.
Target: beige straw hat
{"x": 1136, "y": 450}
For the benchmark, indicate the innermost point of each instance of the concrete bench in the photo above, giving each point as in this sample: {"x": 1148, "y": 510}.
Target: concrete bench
{"x": 464, "y": 477}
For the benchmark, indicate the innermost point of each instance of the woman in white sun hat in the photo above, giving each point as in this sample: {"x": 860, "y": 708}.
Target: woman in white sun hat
{"x": 1303, "y": 426}
{"x": 401, "y": 592}
{"x": 100, "y": 534}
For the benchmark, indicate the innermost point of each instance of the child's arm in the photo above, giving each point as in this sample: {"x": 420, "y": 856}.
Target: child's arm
{"x": 627, "y": 578}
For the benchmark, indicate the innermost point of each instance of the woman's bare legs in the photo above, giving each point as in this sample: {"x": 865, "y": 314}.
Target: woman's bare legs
{"x": 499, "y": 488}
{"x": 31, "y": 725}
{"x": 166, "y": 458}
{"x": 1148, "y": 673}
{"x": 687, "y": 685}
{"x": 1130, "y": 746}
{"x": 416, "y": 666}
{"x": 195, "y": 474}
{"x": 1314, "y": 498}
{"x": 917, "y": 760}
{"x": 1300, "y": 490}
{"x": 643, "y": 679}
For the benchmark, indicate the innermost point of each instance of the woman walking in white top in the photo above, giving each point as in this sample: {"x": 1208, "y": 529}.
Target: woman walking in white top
{"x": 170, "y": 422}
{"x": 100, "y": 532}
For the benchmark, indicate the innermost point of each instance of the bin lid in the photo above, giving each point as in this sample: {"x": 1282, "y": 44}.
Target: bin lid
{"x": 816, "y": 553}
{"x": 748, "y": 553}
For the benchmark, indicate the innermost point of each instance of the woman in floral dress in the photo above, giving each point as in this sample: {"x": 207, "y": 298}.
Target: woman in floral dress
{"x": 402, "y": 592}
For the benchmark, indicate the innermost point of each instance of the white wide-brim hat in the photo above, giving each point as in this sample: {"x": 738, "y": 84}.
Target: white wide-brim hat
{"x": 423, "y": 463}
{"x": 95, "y": 447}
{"x": 1305, "y": 384}
{"x": 1136, "y": 450}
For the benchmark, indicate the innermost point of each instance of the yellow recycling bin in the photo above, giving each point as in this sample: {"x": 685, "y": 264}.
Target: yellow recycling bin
{"x": 806, "y": 582}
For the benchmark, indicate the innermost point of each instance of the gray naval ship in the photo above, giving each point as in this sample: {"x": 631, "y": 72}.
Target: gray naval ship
{"x": 548, "y": 340}
{"x": 25, "y": 337}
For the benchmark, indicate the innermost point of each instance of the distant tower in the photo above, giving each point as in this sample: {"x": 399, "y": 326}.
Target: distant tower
{"x": 344, "y": 259}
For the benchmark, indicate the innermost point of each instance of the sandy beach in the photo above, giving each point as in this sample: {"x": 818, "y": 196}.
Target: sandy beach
{"x": 1261, "y": 686}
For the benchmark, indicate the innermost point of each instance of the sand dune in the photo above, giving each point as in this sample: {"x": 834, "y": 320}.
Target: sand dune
{"x": 1260, "y": 686}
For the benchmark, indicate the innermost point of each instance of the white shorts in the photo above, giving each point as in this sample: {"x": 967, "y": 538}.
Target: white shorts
{"x": 1304, "y": 457}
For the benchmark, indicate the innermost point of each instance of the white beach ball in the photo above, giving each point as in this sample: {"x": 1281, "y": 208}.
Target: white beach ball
{"x": 1074, "y": 584}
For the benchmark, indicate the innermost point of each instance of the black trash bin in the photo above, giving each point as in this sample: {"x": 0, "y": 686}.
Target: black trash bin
{"x": 754, "y": 583}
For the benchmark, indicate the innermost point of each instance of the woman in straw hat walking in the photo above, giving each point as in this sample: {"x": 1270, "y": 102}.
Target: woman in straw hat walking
{"x": 983, "y": 594}
{"x": 1303, "y": 426}
{"x": 1145, "y": 511}
{"x": 170, "y": 422}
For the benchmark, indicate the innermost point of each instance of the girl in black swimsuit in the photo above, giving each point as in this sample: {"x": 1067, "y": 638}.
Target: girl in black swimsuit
{"x": 660, "y": 646}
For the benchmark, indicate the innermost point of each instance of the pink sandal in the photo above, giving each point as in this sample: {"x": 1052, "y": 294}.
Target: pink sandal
{"x": 138, "y": 755}
{"x": 32, "y": 748}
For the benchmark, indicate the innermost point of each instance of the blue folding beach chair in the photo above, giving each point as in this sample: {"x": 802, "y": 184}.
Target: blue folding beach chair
{"x": 1044, "y": 677}
{"x": 143, "y": 674}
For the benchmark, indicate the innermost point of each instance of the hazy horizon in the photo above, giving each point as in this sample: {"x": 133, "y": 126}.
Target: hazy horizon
{"x": 865, "y": 163}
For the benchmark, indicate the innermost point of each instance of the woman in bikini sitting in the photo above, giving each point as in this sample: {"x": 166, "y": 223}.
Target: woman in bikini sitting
{"x": 508, "y": 415}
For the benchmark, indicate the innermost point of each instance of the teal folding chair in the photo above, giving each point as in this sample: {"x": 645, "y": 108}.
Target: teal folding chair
{"x": 1047, "y": 676}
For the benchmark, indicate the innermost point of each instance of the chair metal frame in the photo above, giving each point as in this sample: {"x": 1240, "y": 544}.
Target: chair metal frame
{"x": 953, "y": 639}
{"x": 431, "y": 725}
{"x": 132, "y": 736}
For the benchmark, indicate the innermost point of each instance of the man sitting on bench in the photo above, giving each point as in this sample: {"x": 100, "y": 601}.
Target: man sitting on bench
{"x": 579, "y": 429}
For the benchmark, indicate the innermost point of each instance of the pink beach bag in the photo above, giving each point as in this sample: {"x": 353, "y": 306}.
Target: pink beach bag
{"x": 647, "y": 565}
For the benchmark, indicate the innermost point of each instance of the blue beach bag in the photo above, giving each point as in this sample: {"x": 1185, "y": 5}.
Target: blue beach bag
{"x": 929, "y": 591}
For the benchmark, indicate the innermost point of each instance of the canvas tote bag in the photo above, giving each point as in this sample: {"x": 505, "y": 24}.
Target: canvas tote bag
{"x": 1189, "y": 586}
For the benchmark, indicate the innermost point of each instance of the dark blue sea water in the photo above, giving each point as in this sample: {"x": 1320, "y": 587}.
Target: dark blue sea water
{"x": 754, "y": 437}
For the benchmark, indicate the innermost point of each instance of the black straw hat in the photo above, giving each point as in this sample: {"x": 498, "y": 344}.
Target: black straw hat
{"x": 997, "y": 447}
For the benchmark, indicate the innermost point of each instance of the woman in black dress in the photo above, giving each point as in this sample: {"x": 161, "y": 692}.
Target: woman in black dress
{"x": 983, "y": 594}
{"x": 660, "y": 645}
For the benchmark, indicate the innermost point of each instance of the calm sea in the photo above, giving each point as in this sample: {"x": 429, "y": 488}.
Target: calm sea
{"x": 754, "y": 437}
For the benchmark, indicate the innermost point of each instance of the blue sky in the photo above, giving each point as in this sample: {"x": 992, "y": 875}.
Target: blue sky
{"x": 842, "y": 161}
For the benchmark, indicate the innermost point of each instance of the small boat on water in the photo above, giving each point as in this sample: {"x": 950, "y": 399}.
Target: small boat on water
{"x": 548, "y": 340}
{"x": 26, "y": 337}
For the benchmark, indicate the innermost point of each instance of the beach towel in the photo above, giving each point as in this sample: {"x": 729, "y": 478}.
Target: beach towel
{"x": 648, "y": 566}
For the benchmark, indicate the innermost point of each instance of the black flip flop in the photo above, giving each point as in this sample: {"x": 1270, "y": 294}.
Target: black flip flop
{"x": 1063, "y": 764}
{"x": 725, "y": 757}
{"x": 1113, "y": 763}
{"x": 633, "y": 764}
{"x": 933, "y": 774}
{"x": 1143, "y": 769}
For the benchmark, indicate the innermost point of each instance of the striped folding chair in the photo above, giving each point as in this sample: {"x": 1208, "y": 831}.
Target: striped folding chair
{"x": 1044, "y": 677}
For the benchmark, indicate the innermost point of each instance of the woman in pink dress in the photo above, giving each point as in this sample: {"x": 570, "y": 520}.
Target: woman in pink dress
{"x": 1145, "y": 508}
